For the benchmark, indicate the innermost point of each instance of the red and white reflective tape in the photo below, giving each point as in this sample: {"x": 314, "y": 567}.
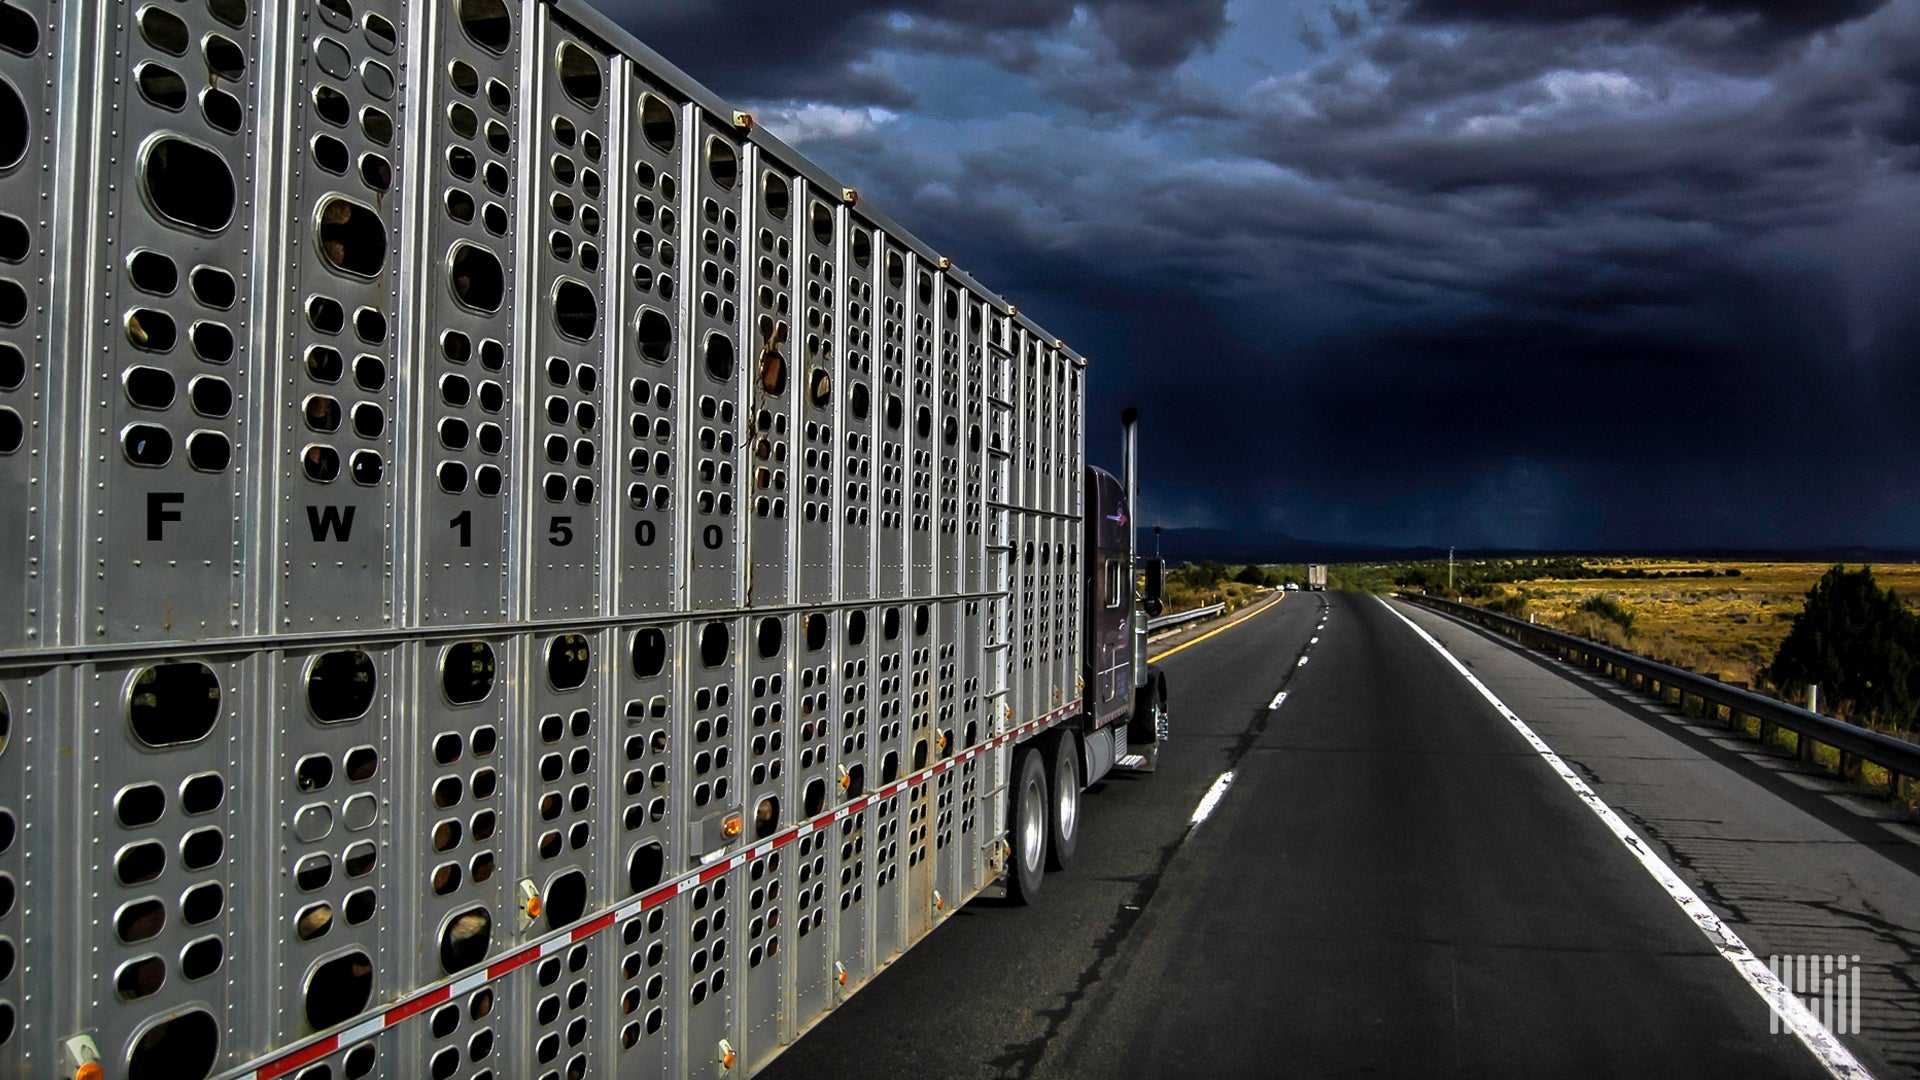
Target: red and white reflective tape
{"x": 297, "y": 1055}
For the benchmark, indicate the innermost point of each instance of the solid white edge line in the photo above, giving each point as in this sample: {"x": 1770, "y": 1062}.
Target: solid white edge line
{"x": 1211, "y": 799}
{"x": 1832, "y": 1054}
{"x": 1279, "y": 699}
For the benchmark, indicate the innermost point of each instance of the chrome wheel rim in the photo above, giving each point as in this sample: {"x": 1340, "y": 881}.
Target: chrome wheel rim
{"x": 1033, "y": 825}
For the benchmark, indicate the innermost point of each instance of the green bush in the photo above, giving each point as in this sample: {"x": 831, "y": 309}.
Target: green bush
{"x": 1606, "y": 607}
{"x": 1860, "y": 644}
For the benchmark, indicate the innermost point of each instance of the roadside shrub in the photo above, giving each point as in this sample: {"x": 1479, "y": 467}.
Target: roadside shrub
{"x": 1860, "y": 644}
{"x": 1613, "y": 611}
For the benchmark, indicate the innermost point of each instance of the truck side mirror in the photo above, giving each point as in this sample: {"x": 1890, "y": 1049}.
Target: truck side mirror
{"x": 1154, "y": 601}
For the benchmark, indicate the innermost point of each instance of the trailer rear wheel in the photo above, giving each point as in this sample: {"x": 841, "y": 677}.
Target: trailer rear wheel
{"x": 1029, "y": 826}
{"x": 1063, "y": 817}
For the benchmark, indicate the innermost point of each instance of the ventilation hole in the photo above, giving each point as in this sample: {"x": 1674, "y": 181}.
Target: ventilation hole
{"x": 463, "y": 120}
{"x": 568, "y": 661}
{"x": 478, "y": 280}
{"x": 140, "y": 805}
{"x": 377, "y": 125}
{"x": 376, "y": 171}
{"x": 13, "y": 303}
{"x": 202, "y": 903}
{"x": 856, "y": 628}
{"x": 341, "y": 685}
{"x": 140, "y": 978}
{"x": 497, "y": 137}
{"x": 859, "y": 402}
{"x": 202, "y": 958}
{"x": 657, "y": 123}
{"x": 369, "y": 420}
{"x": 150, "y": 330}
{"x": 314, "y": 772}
{"x": 209, "y": 451}
{"x": 314, "y": 921}
{"x": 352, "y": 237}
{"x": 716, "y": 644}
{"x": 173, "y": 704}
{"x": 188, "y": 184}
{"x": 649, "y": 652}
{"x": 202, "y": 848}
{"x": 487, "y": 23}
{"x": 322, "y": 413}
{"x": 140, "y": 920}
{"x": 367, "y": 467}
{"x": 19, "y": 33}
{"x": 895, "y": 411}
{"x": 863, "y": 248}
{"x": 719, "y": 357}
{"x": 231, "y": 12}
{"x": 566, "y": 899}
{"x": 137, "y": 864}
{"x": 327, "y": 316}
{"x": 222, "y": 110}
{"x": 466, "y": 672}
{"x": 16, "y": 241}
{"x": 655, "y": 336}
{"x": 158, "y": 83}
{"x": 330, "y": 153}
{"x": 149, "y": 387}
{"x": 321, "y": 463}
{"x": 212, "y": 286}
{"x": 224, "y": 58}
{"x": 213, "y": 342}
{"x": 324, "y": 364}
{"x": 313, "y": 872}
{"x": 381, "y": 33}
{"x": 950, "y": 432}
{"x": 182, "y": 1047}
{"x": 359, "y": 859}
{"x": 464, "y": 78}
{"x": 575, "y": 312}
{"x": 164, "y": 30}
{"x": 202, "y": 794}
{"x": 723, "y": 162}
{"x": 579, "y": 75}
{"x": 338, "y": 990}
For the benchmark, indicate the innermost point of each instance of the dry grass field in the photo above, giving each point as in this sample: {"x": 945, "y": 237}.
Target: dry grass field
{"x": 1728, "y": 625}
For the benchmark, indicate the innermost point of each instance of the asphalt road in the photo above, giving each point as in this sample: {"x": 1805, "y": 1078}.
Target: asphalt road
{"x": 1394, "y": 884}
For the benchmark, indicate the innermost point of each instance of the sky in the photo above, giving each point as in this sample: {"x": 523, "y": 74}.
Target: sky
{"x": 1567, "y": 274}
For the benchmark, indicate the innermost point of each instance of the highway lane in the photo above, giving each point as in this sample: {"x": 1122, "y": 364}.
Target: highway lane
{"x": 1394, "y": 884}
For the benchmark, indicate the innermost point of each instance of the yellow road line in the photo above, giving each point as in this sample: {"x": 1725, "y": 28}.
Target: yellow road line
{"x": 1222, "y": 630}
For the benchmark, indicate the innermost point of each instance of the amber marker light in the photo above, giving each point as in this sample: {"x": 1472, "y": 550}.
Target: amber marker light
{"x": 730, "y": 828}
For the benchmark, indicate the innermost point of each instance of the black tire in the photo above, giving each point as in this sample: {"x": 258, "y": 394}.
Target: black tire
{"x": 1027, "y": 828}
{"x": 1065, "y": 775}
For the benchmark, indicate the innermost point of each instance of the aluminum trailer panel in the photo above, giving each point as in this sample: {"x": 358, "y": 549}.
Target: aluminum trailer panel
{"x": 508, "y": 569}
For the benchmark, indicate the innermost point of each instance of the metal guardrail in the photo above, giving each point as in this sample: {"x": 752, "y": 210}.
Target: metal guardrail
{"x": 1176, "y": 619}
{"x": 1901, "y": 759}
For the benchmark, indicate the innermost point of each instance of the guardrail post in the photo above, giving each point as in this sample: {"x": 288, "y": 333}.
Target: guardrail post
{"x": 1803, "y": 747}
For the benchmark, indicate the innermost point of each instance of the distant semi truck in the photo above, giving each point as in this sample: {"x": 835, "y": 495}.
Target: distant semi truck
{"x": 1317, "y": 577}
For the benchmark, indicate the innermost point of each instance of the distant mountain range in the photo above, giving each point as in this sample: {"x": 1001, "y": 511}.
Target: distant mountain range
{"x": 1236, "y": 547}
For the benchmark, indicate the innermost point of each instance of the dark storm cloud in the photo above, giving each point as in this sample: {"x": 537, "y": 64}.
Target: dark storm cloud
{"x": 778, "y": 50}
{"x": 1565, "y": 275}
{"x": 1777, "y": 17}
